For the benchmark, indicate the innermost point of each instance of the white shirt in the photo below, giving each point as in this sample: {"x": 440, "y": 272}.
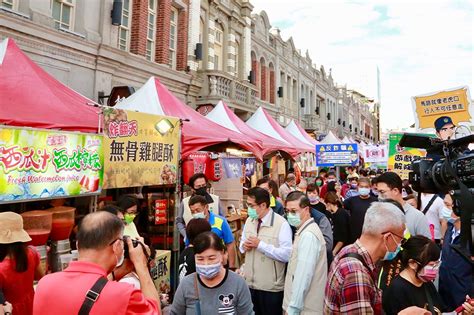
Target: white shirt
{"x": 434, "y": 213}
{"x": 282, "y": 252}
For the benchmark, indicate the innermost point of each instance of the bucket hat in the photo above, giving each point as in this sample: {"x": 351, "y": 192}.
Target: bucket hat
{"x": 11, "y": 228}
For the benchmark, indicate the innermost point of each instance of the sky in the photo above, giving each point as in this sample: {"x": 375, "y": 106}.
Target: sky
{"x": 418, "y": 46}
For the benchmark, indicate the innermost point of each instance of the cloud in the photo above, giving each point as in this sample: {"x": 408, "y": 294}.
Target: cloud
{"x": 419, "y": 46}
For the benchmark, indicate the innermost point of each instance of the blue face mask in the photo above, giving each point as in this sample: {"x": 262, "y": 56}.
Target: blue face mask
{"x": 364, "y": 191}
{"x": 391, "y": 255}
{"x": 208, "y": 271}
{"x": 252, "y": 213}
{"x": 446, "y": 213}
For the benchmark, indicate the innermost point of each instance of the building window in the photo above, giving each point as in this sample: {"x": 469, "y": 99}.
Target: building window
{"x": 124, "y": 29}
{"x": 173, "y": 37}
{"x": 8, "y": 4}
{"x": 150, "y": 37}
{"x": 63, "y": 14}
{"x": 218, "y": 45}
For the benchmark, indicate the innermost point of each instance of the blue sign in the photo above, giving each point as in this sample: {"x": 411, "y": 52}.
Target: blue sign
{"x": 328, "y": 155}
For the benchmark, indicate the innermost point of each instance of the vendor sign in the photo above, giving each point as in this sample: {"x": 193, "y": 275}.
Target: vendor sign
{"x": 400, "y": 158}
{"x": 38, "y": 164}
{"x": 328, "y": 155}
{"x": 160, "y": 271}
{"x": 375, "y": 154}
{"x": 139, "y": 149}
{"x": 453, "y": 103}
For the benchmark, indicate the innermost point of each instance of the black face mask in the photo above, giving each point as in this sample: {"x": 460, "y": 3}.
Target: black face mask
{"x": 203, "y": 192}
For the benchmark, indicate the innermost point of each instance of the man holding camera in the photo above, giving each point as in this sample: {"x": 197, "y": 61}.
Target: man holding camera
{"x": 83, "y": 287}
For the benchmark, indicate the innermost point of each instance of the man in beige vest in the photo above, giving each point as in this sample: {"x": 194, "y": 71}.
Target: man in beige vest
{"x": 307, "y": 270}
{"x": 198, "y": 183}
{"x": 266, "y": 242}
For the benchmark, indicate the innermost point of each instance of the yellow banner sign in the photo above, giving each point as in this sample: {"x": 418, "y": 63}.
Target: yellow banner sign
{"x": 452, "y": 103}
{"x": 139, "y": 149}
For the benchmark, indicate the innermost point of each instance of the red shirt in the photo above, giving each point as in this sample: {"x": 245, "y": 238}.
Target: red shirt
{"x": 18, "y": 286}
{"x": 64, "y": 292}
{"x": 351, "y": 287}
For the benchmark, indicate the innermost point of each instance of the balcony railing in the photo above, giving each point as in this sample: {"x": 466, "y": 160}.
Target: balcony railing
{"x": 219, "y": 85}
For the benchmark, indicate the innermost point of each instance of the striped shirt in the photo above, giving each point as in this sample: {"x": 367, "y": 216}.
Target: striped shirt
{"x": 351, "y": 287}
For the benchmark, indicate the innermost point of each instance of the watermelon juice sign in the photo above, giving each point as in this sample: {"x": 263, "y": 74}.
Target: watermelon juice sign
{"x": 328, "y": 155}
{"x": 38, "y": 164}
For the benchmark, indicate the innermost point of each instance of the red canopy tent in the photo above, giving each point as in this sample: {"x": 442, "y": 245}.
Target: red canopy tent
{"x": 199, "y": 132}
{"x": 30, "y": 97}
{"x": 224, "y": 116}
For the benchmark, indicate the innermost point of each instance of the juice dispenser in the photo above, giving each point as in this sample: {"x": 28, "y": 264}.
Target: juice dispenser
{"x": 37, "y": 224}
{"x": 62, "y": 224}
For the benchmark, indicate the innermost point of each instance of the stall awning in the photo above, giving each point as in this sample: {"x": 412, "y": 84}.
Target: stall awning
{"x": 30, "y": 97}
{"x": 297, "y": 131}
{"x": 224, "y": 116}
{"x": 330, "y": 139}
{"x": 264, "y": 123}
{"x": 199, "y": 132}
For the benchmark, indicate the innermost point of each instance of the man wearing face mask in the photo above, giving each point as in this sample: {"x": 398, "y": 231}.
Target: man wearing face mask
{"x": 274, "y": 203}
{"x": 389, "y": 186}
{"x": 101, "y": 249}
{"x": 352, "y": 285}
{"x": 306, "y": 276}
{"x": 357, "y": 207}
{"x": 456, "y": 272}
{"x": 219, "y": 225}
{"x": 331, "y": 177}
{"x": 288, "y": 186}
{"x": 198, "y": 184}
{"x": 353, "y": 187}
{"x": 266, "y": 242}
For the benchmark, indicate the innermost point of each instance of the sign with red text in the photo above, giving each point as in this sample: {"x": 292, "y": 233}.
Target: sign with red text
{"x": 135, "y": 152}
{"x": 37, "y": 164}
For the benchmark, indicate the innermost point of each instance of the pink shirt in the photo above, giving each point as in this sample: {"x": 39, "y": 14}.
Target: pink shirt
{"x": 18, "y": 286}
{"x": 64, "y": 292}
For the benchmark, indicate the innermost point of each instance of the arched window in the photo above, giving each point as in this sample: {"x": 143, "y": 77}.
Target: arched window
{"x": 219, "y": 47}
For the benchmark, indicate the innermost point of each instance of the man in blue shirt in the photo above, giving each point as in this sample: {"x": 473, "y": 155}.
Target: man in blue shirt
{"x": 219, "y": 225}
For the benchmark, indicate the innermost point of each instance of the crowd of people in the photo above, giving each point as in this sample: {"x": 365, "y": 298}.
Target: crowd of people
{"x": 362, "y": 243}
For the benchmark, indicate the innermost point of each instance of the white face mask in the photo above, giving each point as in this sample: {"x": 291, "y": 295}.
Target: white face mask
{"x": 199, "y": 215}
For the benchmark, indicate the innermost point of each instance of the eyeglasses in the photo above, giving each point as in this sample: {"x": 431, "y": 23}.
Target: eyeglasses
{"x": 115, "y": 240}
{"x": 435, "y": 266}
{"x": 403, "y": 239}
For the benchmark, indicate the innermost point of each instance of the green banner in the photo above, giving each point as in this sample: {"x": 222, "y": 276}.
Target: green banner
{"x": 37, "y": 164}
{"x": 400, "y": 158}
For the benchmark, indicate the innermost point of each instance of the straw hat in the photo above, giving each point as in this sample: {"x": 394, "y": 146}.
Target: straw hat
{"x": 11, "y": 228}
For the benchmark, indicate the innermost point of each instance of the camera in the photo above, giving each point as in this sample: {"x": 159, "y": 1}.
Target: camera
{"x": 447, "y": 163}
{"x": 134, "y": 243}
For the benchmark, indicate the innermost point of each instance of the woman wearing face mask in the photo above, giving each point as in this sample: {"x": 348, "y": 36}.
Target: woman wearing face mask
{"x": 129, "y": 205}
{"x": 340, "y": 221}
{"x": 212, "y": 289}
{"x": 414, "y": 285}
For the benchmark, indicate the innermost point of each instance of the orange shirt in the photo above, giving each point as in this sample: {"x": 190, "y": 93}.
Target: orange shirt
{"x": 64, "y": 292}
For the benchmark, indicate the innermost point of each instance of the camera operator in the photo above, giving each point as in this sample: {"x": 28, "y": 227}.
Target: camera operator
{"x": 101, "y": 248}
{"x": 456, "y": 272}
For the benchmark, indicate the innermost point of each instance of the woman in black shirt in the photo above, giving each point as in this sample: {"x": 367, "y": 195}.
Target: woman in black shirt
{"x": 340, "y": 221}
{"x": 414, "y": 285}
{"x": 186, "y": 262}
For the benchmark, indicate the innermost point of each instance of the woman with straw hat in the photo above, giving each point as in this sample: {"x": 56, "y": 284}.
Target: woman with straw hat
{"x": 19, "y": 264}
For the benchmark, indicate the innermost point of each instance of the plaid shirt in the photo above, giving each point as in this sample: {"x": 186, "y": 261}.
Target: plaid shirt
{"x": 351, "y": 288}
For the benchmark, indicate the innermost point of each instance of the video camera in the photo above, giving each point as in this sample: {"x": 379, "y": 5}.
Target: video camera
{"x": 446, "y": 161}
{"x": 447, "y": 168}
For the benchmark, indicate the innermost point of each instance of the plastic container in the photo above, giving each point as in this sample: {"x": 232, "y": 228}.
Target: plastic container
{"x": 65, "y": 260}
{"x": 38, "y": 225}
{"x": 63, "y": 222}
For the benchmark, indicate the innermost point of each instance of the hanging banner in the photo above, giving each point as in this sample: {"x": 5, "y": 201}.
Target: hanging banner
{"x": 160, "y": 271}
{"x": 232, "y": 167}
{"x": 375, "y": 154}
{"x": 328, "y": 155}
{"x": 136, "y": 153}
{"x": 400, "y": 158}
{"x": 249, "y": 164}
{"x": 38, "y": 164}
{"x": 452, "y": 103}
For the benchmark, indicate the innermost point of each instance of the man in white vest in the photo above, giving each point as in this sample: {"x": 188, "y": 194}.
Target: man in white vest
{"x": 266, "y": 242}
{"x": 307, "y": 270}
{"x": 198, "y": 184}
